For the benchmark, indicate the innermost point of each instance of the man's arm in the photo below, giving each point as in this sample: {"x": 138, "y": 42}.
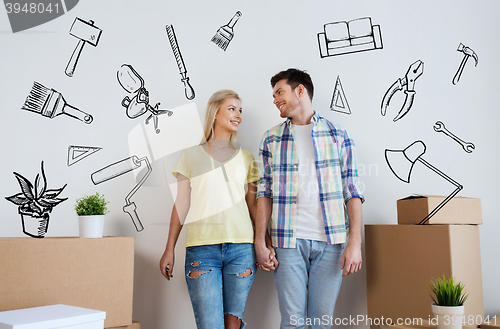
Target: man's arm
{"x": 351, "y": 257}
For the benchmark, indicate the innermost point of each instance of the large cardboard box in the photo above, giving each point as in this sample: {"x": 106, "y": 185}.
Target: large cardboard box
{"x": 459, "y": 210}
{"x": 52, "y": 317}
{"x": 134, "y": 325}
{"x": 424, "y": 324}
{"x": 491, "y": 322}
{"x": 90, "y": 273}
{"x": 402, "y": 259}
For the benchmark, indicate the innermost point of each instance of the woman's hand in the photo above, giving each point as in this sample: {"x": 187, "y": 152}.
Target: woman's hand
{"x": 272, "y": 252}
{"x": 167, "y": 264}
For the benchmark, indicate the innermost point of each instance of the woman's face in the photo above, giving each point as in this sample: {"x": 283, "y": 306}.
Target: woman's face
{"x": 228, "y": 117}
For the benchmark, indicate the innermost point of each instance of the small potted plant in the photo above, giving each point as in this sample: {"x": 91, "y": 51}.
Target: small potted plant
{"x": 91, "y": 210}
{"x": 35, "y": 203}
{"x": 449, "y": 298}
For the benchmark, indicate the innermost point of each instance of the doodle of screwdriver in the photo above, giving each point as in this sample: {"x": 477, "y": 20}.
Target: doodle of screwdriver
{"x": 188, "y": 89}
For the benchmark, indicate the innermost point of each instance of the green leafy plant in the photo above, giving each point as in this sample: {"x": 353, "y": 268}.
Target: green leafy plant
{"x": 447, "y": 292}
{"x": 91, "y": 205}
{"x": 36, "y": 198}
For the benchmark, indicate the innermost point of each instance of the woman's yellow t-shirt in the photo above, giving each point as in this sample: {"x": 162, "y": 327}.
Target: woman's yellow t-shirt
{"x": 218, "y": 211}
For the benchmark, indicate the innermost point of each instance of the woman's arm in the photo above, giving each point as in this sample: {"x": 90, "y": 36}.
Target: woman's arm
{"x": 179, "y": 212}
{"x": 252, "y": 208}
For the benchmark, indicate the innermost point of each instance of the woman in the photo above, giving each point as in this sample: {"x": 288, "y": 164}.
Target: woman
{"x": 216, "y": 183}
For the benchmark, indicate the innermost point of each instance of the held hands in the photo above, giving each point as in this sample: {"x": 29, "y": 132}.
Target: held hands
{"x": 351, "y": 259}
{"x": 266, "y": 256}
{"x": 167, "y": 264}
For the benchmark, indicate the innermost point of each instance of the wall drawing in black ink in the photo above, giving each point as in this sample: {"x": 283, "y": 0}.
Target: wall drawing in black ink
{"x": 78, "y": 153}
{"x": 35, "y": 203}
{"x": 188, "y": 89}
{"x": 401, "y": 163}
{"x": 407, "y": 84}
{"x": 225, "y": 33}
{"x": 51, "y": 103}
{"x": 467, "y": 53}
{"x": 339, "y": 101}
{"x": 86, "y": 32}
{"x": 133, "y": 83}
{"x": 349, "y": 37}
{"x": 467, "y": 146}
{"x": 119, "y": 168}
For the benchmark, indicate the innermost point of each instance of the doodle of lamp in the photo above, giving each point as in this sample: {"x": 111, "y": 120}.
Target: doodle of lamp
{"x": 119, "y": 168}
{"x": 401, "y": 163}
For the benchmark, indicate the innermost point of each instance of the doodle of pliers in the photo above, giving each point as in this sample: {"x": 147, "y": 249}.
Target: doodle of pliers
{"x": 408, "y": 83}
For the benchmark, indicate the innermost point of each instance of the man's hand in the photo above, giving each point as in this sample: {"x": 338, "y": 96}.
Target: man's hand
{"x": 351, "y": 259}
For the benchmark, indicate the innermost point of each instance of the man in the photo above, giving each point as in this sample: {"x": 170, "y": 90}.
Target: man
{"x": 308, "y": 186}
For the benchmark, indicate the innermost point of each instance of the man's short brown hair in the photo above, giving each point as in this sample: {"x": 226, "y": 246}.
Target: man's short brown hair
{"x": 294, "y": 78}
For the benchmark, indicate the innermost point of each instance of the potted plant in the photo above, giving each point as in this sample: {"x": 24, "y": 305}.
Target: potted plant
{"x": 35, "y": 203}
{"x": 449, "y": 298}
{"x": 91, "y": 210}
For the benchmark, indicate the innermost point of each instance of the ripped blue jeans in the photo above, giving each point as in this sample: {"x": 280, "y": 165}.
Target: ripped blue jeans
{"x": 219, "y": 278}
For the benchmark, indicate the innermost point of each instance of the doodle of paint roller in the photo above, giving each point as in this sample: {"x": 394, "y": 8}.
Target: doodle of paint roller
{"x": 87, "y": 33}
{"x": 119, "y": 168}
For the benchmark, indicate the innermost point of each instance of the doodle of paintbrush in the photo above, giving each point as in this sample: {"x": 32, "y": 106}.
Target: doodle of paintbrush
{"x": 225, "y": 33}
{"x": 51, "y": 103}
{"x": 188, "y": 89}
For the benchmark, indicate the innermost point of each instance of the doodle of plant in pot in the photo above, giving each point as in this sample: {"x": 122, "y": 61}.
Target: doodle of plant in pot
{"x": 35, "y": 203}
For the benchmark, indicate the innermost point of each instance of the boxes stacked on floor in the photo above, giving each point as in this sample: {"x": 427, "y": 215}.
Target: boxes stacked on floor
{"x": 52, "y": 316}
{"x": 401, "y": 259}
{"x": 89, "y": 273}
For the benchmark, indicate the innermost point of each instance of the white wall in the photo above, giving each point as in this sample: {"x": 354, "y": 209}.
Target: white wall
{"x": 269, "y": 37}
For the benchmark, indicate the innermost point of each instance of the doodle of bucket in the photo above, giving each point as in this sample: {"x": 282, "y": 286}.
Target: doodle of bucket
{"x": 34, "y": 225}
{"x": 91, "y": 226}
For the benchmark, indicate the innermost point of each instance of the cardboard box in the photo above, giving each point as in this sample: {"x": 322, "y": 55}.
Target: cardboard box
{"x": 402, "y": 259}
{"x": 52, "y": 316}
{"x": 459, "y": 210}
{"x": 134, "y": 325}
{"x": 90, "y": 273}
{"x": 491, "y": 322}
{"x": 424, "y": 324}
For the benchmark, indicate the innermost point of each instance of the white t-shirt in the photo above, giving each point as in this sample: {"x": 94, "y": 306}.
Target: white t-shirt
{"x": 310, "y": 224}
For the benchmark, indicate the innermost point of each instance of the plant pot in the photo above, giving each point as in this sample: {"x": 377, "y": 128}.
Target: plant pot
{"x": 448, "y": 317}
{"x": 34, "y": 225}
{"x": 91, "y": 226}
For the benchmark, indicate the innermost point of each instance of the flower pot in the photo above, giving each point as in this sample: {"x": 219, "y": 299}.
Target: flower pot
{"x": 34, "y": 225}
{"x": 91, "y": 226}
{"x": 448, "y": 317}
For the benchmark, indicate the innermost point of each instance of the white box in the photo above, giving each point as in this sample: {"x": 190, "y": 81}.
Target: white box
{"x": 52, "y": 317}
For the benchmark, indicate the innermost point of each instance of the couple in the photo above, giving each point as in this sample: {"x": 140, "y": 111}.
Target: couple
{"x": 306, "y": 183}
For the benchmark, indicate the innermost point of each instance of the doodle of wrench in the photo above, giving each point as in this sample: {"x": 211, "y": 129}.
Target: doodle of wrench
{"x": 467, "y": 146}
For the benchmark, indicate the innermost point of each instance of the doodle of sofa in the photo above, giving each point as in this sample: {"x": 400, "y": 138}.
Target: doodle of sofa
{"x": 349, "y": 37}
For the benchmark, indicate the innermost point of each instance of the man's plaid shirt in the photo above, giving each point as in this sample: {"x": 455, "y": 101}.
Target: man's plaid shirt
{"x": 336, "y": 167}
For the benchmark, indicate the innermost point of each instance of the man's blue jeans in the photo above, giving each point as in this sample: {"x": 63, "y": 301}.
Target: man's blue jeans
{"x": 308, "y": 281}
{"x": 219, "y": 278}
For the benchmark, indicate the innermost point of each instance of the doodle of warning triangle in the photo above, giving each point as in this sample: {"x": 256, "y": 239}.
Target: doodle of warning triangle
{"x": 339, "y": 101}
{"x": 77, "y": 153}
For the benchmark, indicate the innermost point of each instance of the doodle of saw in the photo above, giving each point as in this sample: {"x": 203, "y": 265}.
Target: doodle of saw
{"x": 407, "y": 84}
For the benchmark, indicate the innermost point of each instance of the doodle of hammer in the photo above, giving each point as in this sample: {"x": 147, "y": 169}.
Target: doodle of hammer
{"x": 87, "y": 33}
{"x": 467, "y": 53}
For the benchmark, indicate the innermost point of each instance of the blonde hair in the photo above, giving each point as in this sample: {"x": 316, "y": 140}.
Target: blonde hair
{"x": 213, "y": 106}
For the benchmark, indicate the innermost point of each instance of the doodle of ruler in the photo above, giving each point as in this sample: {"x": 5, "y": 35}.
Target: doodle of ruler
{"x": 119, "y": 168}
{"x": 77, "y": 153}
{"x": 339, "y": 101}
